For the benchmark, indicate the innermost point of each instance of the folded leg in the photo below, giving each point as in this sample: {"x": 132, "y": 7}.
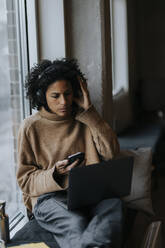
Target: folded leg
{"x": 105, "y": 227}
{"x": 67, "y": 226}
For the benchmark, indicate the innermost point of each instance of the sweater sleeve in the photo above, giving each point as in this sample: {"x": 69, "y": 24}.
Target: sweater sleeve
{"x": 33, "y": 180}
{"x": 105, "y": 139}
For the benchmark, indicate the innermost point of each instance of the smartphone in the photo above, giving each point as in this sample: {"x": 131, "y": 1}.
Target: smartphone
{"x": 73, "y": 157}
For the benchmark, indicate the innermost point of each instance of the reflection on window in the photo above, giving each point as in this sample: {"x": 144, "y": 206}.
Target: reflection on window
{"x": 10, "y": 107}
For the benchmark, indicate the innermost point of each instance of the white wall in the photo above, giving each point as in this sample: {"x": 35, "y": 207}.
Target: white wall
{"x": 51, "y": 29}
{"x": 85, "y": 43}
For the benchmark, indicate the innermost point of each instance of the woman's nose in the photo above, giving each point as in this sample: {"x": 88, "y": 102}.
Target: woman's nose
{"x": 63, "y": 100}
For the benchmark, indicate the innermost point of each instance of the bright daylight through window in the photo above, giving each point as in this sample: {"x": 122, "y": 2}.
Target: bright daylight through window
{"x": 10, "y": 106}
{"x": 119, "y": 45}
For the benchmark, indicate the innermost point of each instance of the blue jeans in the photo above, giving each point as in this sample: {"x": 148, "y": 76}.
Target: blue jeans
{"x": 99, "y": 225}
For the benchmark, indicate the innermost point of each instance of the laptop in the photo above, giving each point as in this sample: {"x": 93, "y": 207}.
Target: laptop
{"x": 108, "y": 179}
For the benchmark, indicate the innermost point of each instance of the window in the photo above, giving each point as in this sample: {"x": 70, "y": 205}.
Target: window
{"x": 119, "y": 45}
{"x": 19, "y": 51}
{"x": 11, "y": 102}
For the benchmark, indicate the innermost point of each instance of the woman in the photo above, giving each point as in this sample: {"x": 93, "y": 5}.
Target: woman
{"x": 66, "y": 123}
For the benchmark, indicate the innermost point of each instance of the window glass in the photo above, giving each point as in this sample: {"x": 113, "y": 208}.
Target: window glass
{"x": 10, "y": 106}
{"x": 119, "y": 45}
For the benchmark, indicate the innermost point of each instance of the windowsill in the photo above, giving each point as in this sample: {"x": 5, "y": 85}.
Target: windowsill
{"x": 17, "y": 223}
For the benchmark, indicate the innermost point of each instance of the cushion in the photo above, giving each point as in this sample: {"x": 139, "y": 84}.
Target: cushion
{"x": 140, "y": 196}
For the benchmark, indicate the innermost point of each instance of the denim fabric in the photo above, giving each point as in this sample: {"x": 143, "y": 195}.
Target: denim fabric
{"x": 94, "y": 226}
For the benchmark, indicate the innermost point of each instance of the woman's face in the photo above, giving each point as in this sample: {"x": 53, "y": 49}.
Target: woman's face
{"x": 59, "y": 97}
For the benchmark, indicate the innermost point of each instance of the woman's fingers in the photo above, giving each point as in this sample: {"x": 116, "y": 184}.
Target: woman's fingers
{"x": 61, "y": 166}
{"x": 83, "y": 101}
{"x": 83, "y": 86}
{"x": 62, "y": 163}
{"x": 74, "y": 164}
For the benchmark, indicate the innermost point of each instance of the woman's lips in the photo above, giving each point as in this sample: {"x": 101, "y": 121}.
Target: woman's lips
{"x": 63, "y": 109}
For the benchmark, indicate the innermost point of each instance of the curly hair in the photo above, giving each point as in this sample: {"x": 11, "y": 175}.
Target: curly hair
{"x": 45, "y": 73}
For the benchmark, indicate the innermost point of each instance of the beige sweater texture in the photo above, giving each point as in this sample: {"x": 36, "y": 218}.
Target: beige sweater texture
{"x": 44, "y": 138}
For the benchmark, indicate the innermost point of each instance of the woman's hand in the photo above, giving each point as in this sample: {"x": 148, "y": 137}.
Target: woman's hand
{"x": 62, "y": 167}
{"x": 84, "y": 101}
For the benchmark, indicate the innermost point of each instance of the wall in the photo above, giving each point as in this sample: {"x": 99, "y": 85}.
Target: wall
{"x": 50, "y": 29}
{"x": 132, "y": 46}
{"x": 86, "y": 41}
{"x": 151, "y": 53}
{"x": 151, "y": 38}
{"x": 86, "y": 38}
{"x": 132, "y": 54}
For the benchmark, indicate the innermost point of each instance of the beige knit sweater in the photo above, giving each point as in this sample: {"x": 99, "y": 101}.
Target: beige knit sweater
{"x": 44, "y": 138}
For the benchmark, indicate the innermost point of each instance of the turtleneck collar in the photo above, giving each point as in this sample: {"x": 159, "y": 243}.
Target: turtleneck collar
{"x": 52, "y": 116}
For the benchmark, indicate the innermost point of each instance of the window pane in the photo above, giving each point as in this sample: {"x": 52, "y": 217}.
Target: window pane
{"x": 10, "y": 107}
{"x": 119, "y": 45}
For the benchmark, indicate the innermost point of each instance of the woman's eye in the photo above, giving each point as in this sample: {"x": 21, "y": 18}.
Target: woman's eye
{"x": 55, "y": 96}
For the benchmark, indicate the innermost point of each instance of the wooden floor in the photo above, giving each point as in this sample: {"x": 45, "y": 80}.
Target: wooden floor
{"x": 142, "y": 221}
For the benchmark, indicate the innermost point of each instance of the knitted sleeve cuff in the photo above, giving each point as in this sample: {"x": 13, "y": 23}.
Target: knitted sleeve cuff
{"x": 57, "y": 178}
{"x": 52, "y": 184}
{"x": 90, "y": 117}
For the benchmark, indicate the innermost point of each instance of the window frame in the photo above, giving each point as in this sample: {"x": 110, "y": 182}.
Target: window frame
{"x": 21, "y": 21}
